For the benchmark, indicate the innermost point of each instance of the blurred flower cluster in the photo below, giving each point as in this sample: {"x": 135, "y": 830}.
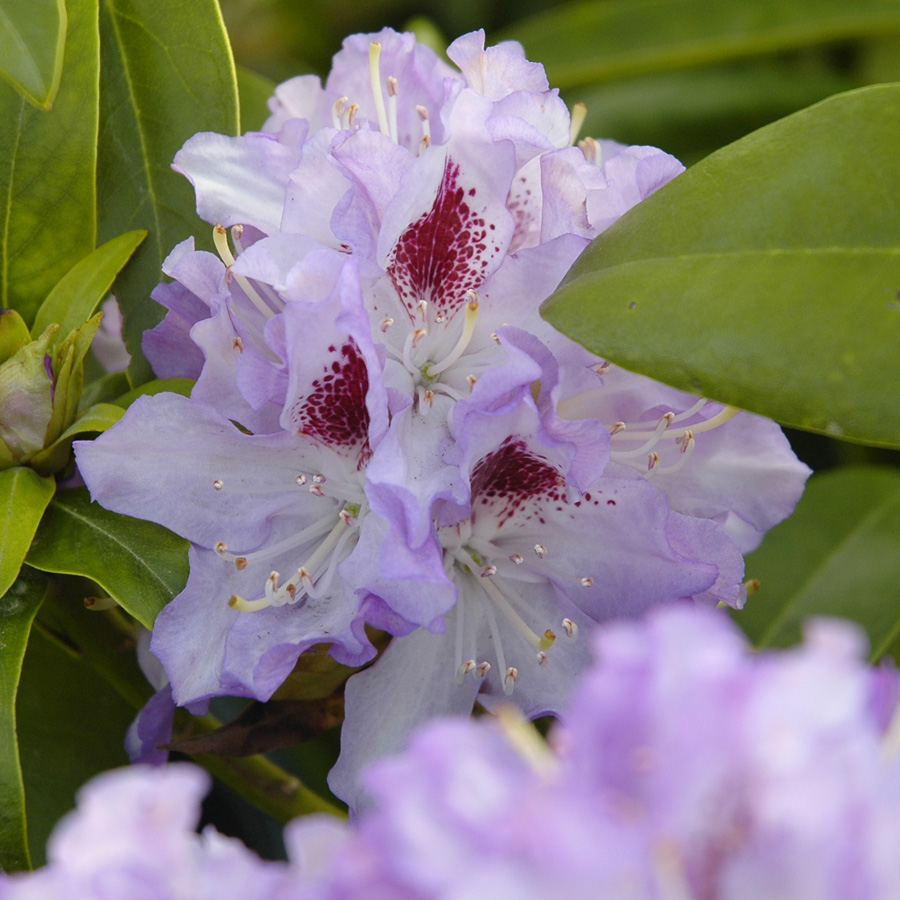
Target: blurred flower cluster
{"x": 384, "y": 434}
{"x": 686, "y": 767}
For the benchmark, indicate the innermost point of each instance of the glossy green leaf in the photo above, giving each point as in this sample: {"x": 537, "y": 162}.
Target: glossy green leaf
{"x": 17, "y": 610}
{"x": 72, "y": 726}
{"x": 32, "y": 37}
{"x": 836, "y": 556}
{"x": 94, "y": 420}
{"x": 254, "y": 90}
{"x": 14, "y": 334}
{"x": 766, "y": 276}
{"x": 140, "y": 564}
{"x": 596, "y": 41}
{"x": 24, "y": 496}
{"x": 74, "y": 299}
{"x": 48, "y": 171}
{"x": 167, "y": 73}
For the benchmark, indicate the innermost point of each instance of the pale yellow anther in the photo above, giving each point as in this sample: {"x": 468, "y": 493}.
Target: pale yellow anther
{"x": 579, "y": 112}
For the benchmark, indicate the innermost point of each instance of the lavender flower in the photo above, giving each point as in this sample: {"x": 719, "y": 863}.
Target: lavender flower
{"x": 481, "y": 484}
{"x": 687, "y": 767}
{"x": 132, "y": 838}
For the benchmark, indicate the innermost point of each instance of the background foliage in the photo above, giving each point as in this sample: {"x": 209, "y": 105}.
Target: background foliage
{"x": 768, "y": 275}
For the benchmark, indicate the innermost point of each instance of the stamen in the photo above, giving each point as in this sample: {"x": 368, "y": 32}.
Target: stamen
{"x": 591, "y": 151}
{"x": 392, "y": 106}
{"x": 650, "y": 443}
{"x": 218, "y": 484}
{"x": 422, "y": 309}
{"x": 587, "y": 581}
{"x": 220, "y": 239}
{"x": 687, "y": 444}
{"x": 517, "y": 558}
{"x": 337, "y": 110}
{"x": 350, "y": 115}
{"x": 465, "y": 337}
{"x": 617, "y": 428}
{"x": 465, "y": 668}
{"x": 579, "y": 111}
{"x": 509, "y": 680}
{"x": 460, "y": 635}
{"x": 310, "y": 533}
{"x": 300, "y": 479}
{"x": 237, "y": 232}
{"x": 375, "y": 77}
{"x": 428, "y": 399}
{"x": 99, "y": 604}
{"x": 425, "y": 143}
{"x": 652, "y": 460}
{"x": 570, "y": 629}
{"x": 482, "y": 669}
{"x": 470, "y": 380}
{"x": 238, "y": 344}
{"x": 541, "y": 658}
{"x": 539, "y": 643}
{"x": 386, "y": 323}
{"x": 241, "y": 605}
{"x": 489, "y": 570}
{"x": 540, "y": 551}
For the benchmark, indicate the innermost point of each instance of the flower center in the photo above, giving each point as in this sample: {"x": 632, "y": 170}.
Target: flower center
{"x": 320, "y": 545}
{"x": 673, "y": 434}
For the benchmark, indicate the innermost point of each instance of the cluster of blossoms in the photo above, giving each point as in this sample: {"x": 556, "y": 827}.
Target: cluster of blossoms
{"x": 687, "y": 768}
{"x": 383, "y": 431}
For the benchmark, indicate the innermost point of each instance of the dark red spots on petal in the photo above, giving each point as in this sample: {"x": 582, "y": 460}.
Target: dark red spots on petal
{"x": 446, "y": 251}
{"x": 510, "y": 479}
{"x": 335, "y": 411}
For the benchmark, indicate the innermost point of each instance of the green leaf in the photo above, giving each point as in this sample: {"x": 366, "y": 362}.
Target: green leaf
{"x": 24, "y": 496}
{"x": 254, "y": 90}
{"x": 167, "y": 73}
{"x": 598, "y": 41}
{"x": 47, "y": 172}
{"x": 73, "y": 300}
{"x": 32, "y": 37}
{"x": 836, "y": 556}
{"x": 14, "y": 334}
{"x": 72, "y": 726}
{"x": 140, "y": 564}
{"x": 94, "y": 420}
{"x": 17, "y": 610}
{"x": 766, "y": 276}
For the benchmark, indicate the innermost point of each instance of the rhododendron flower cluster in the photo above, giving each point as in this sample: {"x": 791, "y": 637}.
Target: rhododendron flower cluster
{"x": 383, "y": 431}
{"x": 685, "y": 766}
